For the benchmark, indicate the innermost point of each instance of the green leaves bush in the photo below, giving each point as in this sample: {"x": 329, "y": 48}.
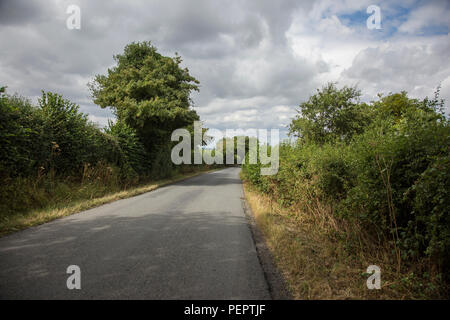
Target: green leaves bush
{"x": 429, "y": 231}
{"x": 386, "y": 168}
{"x": 134, "y": 158}
{"x": 69, "y": 140}
{"x": 52, "y": 145}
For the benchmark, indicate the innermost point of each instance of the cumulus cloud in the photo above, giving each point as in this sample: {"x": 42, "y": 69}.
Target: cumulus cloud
{"x": 433, "y": 14}
{"x": 423, "y": 66}
{"x": 256, "y": 60}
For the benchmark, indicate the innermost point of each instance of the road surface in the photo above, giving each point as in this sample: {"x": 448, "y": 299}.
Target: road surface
{"x": 188, "y": 240}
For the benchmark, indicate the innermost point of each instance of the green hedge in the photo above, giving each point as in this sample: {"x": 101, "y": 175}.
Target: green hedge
{"x": 399, "y": 163}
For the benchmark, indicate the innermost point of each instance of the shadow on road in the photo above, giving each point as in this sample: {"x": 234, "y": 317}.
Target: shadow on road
{"x": 172, "y": 255}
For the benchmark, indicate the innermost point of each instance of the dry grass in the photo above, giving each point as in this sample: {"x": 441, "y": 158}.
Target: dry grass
{"x": 319, "y": 259}
{"x": 25, "y": 220}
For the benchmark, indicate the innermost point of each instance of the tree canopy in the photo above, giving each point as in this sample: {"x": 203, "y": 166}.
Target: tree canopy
{"x": 330, "y": 114}
{"x": 148, "y": 91}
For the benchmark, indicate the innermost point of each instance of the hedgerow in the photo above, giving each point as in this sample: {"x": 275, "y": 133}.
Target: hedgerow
{"x": 386, "y": 169}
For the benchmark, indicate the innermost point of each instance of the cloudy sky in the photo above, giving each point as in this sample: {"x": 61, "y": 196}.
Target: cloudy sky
{"x": 256, "y": 60}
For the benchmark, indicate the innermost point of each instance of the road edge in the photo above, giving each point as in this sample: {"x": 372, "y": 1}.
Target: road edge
{"x": 87, "y": 204}
{"x": 276, "y": 283}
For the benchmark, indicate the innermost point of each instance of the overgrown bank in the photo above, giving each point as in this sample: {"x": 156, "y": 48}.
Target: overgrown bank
{"x": 364, "y": 184}
{"x": 80, "y": 199}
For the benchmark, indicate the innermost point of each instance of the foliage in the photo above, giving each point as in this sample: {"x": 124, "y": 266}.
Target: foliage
{"x": 385, "y": 168}
{"x": 150, "y": 93}
{"x": 51, "y": 146}
{"x": 70, "y": 140}
{"x": 240, "y": 144}
{"x": 330, "y": 114}
{"x": 135, "y": 157}
{"x": 20, "y": 125}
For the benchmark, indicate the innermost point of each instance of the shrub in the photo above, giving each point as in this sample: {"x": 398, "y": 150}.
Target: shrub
{"x": 135, "y": 160}
{"x": 387, "y": 171}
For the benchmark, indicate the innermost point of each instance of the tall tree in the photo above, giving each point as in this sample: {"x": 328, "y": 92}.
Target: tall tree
{"x": 149, "y": 92}
{"x": 330, "y": 114}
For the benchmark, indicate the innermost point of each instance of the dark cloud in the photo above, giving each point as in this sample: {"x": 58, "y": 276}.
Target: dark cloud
{"x": 249, "y": 72}
{"x": 20, "y": 12}
{"x": 236, "y": 49}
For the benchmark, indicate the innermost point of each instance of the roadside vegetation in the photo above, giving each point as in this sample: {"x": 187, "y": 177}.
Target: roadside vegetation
{"x": 54, "y": 161}
{"x": 86, "y": 196}
{"x": 362, "y": 184}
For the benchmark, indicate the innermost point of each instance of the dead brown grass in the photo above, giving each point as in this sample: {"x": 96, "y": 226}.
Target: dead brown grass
{"x": 323, "y": 258}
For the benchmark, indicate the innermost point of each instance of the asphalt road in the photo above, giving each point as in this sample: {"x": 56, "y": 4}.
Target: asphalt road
{"x": 188, "y": 240}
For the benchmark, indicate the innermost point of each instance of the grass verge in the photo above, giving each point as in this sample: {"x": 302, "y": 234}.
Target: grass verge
{"x": 319, "y": 262}
{"x": 35, "y": 217}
